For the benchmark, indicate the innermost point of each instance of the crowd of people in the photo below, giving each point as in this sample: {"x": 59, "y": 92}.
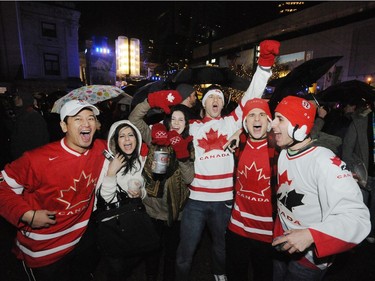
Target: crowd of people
{"x": 275, "y": 195}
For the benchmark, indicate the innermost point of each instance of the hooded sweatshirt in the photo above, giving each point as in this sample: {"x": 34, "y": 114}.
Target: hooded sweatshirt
{"x": 109, "y": 184}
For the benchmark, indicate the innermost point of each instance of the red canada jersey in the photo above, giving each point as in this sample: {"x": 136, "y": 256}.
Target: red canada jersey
{"x": 55, "y": 178}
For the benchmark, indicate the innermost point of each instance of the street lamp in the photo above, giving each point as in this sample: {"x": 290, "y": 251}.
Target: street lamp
{"x": 127, "y": 56}
{"x": 369, "y": 80}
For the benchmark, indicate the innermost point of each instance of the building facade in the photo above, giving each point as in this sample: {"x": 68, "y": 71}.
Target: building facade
{"x": 39, "y": 45}
{"x": 335, "y": 28}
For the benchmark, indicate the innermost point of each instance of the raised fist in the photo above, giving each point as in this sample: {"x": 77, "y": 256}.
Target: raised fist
{"x": 269, "y": 49}
{"x": 164, "y": 99}
{"x": 159, "y": 134}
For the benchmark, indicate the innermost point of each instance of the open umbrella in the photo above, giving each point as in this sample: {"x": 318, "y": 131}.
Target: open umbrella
{"x": 347, "y": 91}
{"x": 143, "y": 91}
{"x": 301, "y": 77}
{"x": 210, "y": 75}
{"x": 92, "y": 94}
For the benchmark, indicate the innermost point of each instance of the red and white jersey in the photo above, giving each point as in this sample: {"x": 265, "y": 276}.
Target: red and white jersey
{"x": 55, "y": 178}
{"x": 317, "y": 192}
{"x": 252, "y": 213}
{"x": 213, "y": 180}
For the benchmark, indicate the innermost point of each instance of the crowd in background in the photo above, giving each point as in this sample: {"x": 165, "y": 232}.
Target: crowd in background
{"x": 197, "y": 190}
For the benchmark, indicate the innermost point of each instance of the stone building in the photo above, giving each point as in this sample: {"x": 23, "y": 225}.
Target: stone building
{"x": 39, "y": 45}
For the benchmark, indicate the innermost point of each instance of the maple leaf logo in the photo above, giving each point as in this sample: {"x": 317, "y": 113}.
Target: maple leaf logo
{"x": 212, "y": 141}
{"x": 170, "y": 97}
{"x": 80, "y": 192}
{"x": 336, "y": 161}
{"x": 291, "y": 199}
{"x": 283, "y": 178}
{"x": 262, "y": 180}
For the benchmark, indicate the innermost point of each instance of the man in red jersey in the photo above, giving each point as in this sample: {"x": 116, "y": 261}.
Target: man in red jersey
{"x": 48, "y": 194}
{"x": 250, "y": 229}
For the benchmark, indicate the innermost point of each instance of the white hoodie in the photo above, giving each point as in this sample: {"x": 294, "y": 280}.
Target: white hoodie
{"x": 109, "y": 184}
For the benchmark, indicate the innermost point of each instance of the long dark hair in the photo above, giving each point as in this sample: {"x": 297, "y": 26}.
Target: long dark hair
{"x": 131, "y": 159}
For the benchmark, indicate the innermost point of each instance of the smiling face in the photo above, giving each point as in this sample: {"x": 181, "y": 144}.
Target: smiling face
{"x": 127, "y": 140}
{"x": 178, "y": 121}
{"x": 79, "y": 130}
{"x": 213, "y": 105}
{"x": 280, "y": 128}
{"x": 257, "y": 124}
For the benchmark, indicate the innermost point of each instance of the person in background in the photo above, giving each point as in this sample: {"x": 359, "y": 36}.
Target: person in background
{"x": 211, "y": 192}
{"x": 48, "y": 194}
{"x": 250, "y": 229}
{"x": 166, "y": 193}
{"x": 30, "y": 129}
{"x": 320, "y": 207}
{"x": 358, "y": 154}
{"x": 329, "y": 141}
{"x": 338, "y": 119}
{"x": 124, "y": 170}
{"x": 190, "y": 100}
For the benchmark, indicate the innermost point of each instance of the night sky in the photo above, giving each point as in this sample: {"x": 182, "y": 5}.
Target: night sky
{"x": 138, "y": 18}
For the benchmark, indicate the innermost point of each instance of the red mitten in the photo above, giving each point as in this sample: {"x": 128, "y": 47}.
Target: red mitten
{"x": 269, "y": 49}
{"x": 164, "y": 99}
{"x": 179, "y": 144}
{"x": 144, "y": 149}
{"x": 159, "y": 134}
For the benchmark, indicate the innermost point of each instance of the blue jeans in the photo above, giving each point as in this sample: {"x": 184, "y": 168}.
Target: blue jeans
{"x": 291, "y": 270}
{"x": 196, "y": 215}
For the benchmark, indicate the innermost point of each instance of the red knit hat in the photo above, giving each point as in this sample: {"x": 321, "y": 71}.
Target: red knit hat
{"x": 256, "y": 103}
{"x": 301, "y": 115}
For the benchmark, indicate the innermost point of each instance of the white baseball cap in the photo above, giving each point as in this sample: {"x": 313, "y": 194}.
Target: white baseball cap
{"x": 72, "y": 107}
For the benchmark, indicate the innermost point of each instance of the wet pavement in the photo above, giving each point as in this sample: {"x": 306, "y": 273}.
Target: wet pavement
{"x": 355, "y": 265}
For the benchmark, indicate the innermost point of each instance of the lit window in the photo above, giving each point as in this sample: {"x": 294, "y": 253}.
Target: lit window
{"x": 49, "y": 29}
{"x": 51, "y": 64}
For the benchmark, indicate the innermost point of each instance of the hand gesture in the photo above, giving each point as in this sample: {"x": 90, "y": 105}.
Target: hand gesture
{"x": 269, "y": 49}
{"x": 179, "y": 144}
{"x": 233, "y": 142}
{"x": 39, "y": 218}
{"x": 294, "y": 241}
{"x": 115, "y": 165}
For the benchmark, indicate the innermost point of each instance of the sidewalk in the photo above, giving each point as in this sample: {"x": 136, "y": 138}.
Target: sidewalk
{"x": 355, "y": 265}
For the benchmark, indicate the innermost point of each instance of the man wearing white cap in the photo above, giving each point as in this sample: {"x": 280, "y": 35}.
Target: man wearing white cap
{"x": 320, "y": 207}
{"x": 211, "y": 192}
{"x": 48, "y": 194}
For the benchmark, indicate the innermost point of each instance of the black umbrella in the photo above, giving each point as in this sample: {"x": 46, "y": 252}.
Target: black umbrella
{"x": 143, "y": 91}
{"x": 348, "y": 91}
{"x": 210, "y": 75}
{"x": 154, "y": 115}
{"x": 301, "y": 77}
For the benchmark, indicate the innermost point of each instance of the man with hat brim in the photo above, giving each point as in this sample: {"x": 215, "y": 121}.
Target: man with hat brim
{"x": 48, "y": 194}
{"x": 320, "y": 207}
{"x": 250, "y": 229}
{"x": 211, "y": 192}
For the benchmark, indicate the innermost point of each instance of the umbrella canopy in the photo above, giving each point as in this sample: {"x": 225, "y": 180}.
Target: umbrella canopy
{"x": 143, "y": 91}
{"x": 92, "y": 94}
{"x": 348, "y": 91}
{"x": 211, "y": 75}
{"x": 301, "y": 77}
{"x": 130, "y": 89}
